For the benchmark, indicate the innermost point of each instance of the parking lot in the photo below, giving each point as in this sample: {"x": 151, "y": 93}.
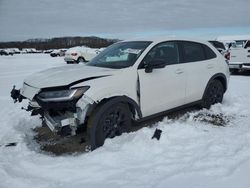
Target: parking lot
{"x": 192, "y": 145}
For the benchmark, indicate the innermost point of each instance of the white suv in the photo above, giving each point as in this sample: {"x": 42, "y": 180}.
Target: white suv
{"x": 240, "y": 57}
{"x": 130, "y": 80}
{"x": 80, "y": 54}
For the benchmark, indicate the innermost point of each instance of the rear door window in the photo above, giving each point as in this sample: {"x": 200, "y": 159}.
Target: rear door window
{"x": 193, "y": 51}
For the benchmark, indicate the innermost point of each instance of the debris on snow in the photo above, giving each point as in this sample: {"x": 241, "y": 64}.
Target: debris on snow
{"x": 211, "y": 118}
{"x": 157, "y": 134}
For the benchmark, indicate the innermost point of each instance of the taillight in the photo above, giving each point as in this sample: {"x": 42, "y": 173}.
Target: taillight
{"x": 74, "y": 54}
{"x": 227, "y": 56}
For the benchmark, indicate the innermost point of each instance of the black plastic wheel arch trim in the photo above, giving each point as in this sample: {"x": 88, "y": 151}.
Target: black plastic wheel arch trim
{"x": 219, "y": 76}
{"x": 118, "y": 99}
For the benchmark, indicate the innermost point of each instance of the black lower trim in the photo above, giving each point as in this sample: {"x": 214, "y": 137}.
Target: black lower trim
{"x": 134, "y": 107}
{"x": 58, "y": 106}
{"x": 170, "y": 111}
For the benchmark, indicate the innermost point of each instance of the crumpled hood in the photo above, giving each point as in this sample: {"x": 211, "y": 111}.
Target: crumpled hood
{"x": 66, "y": 75}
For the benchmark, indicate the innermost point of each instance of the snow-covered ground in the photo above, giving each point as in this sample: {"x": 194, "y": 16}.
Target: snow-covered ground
{"x": 189, "y": 154}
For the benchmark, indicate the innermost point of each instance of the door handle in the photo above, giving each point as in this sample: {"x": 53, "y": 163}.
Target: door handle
{"x": 179, "y": 71}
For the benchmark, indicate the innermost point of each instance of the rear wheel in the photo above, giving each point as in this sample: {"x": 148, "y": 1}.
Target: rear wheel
{"x": 107, "y": 121}
{"x": 214, "y": 94}
{"x": 81, "y": 60}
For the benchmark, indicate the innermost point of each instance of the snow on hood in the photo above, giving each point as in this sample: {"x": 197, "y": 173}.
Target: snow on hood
{"x": 65, "y": 75}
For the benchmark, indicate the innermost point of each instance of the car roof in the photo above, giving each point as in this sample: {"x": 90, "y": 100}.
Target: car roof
{"x": 167, "y": 38}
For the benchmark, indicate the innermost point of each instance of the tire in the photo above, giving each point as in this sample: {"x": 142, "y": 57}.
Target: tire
{"x": 107, "y": 121}
{"x": 213, "y": 94}
{"x": 81, "y": 60}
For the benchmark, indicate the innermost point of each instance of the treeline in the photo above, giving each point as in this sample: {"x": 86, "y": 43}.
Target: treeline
{"x": 57, "y": 43}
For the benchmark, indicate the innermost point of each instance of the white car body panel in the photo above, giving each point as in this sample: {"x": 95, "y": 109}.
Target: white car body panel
{"x": 29, "y": 91}
{"x": 65, "y": 75}
{"x": 205, "y": 70}
{"x": 125, "y": 85}
{"x": 160, "y": 91}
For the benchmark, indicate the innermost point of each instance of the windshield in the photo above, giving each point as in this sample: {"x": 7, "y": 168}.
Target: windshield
{"x": 120, "y": 55}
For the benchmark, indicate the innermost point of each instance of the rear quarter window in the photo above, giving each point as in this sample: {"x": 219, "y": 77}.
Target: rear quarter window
{"x": 209, "y": 52}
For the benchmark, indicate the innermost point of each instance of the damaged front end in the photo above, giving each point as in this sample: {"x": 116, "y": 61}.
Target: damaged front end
{"x": 62, "y": 109}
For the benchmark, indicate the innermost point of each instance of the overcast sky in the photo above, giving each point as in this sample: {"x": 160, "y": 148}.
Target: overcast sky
{"x": 25, "y": 19}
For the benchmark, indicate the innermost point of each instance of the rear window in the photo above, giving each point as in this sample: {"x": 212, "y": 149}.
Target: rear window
{"x": 218, "y": 44}
{"x": 247, "y": 44}
{"x": 193, "y": 52}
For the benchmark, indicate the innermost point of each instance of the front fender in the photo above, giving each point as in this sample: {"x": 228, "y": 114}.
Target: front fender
{"x": 115, "y": 98}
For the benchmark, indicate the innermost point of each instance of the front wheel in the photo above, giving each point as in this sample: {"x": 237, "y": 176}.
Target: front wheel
{"x": 213, "y": 94}
{"x": 107, "y": 121}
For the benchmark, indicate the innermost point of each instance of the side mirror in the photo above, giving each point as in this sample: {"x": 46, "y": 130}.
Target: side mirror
{"x": 155, "y": 64}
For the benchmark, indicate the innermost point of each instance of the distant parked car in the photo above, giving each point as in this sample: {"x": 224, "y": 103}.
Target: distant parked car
{"x": 6, "y": 52}
{"x": 59, "y": 52}
{"x": 2, "y": 52}
{"x": 14, "y": 50}
{"x": 240, "y": 57}
{"x": 80, "y": 54}
{"x": 221, "y": 48}
{"x": 48, "y": 51}
{"x": 29, "y": 50}
{"x": 240, "y": 52}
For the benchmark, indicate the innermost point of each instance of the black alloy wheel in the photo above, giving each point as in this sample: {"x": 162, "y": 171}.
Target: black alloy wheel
{"x": 214, "y": 94}
{"x": 108, "y": 121}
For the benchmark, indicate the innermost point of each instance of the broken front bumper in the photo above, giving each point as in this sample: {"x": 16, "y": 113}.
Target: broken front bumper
{"x": 65, "y": 124}
{"x": 64, "y": 119}
{"x": 61, "y": 117}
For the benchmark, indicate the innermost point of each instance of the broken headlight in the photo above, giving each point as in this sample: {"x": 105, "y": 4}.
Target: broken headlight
{"x": 62, "y": 95}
